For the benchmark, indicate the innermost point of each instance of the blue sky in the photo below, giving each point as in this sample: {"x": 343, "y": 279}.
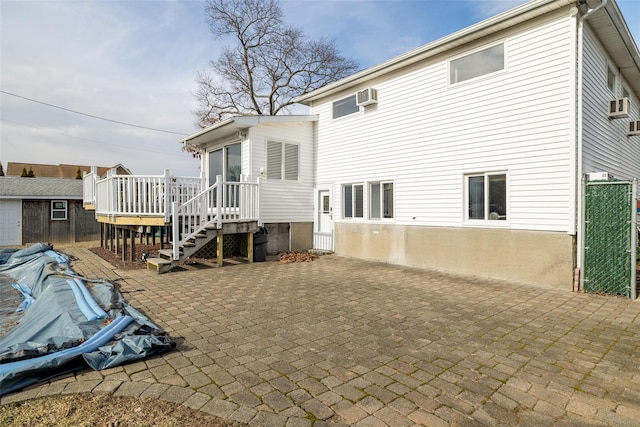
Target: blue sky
{"x": 136, "y": 61}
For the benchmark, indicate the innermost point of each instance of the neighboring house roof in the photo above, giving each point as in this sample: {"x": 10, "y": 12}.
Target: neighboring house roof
{"x": 15, "y": 187}
{"x": 58, "y": 171}
{"x": 607, "y": 22}
{"x": 239, "y": 123}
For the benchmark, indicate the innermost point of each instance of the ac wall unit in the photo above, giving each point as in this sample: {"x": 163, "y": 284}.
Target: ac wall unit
{"x": 599, "y": 176}
{"x": 619, "y": 108}
{"x": 634, "y": 128}
{"x": 366, "y": 97}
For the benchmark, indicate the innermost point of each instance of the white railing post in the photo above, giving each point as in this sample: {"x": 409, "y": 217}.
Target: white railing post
{"x": 258, "y": 197}
{"x": 175, "y": 228}
{"x": 219, "y": 200}
{"x": 167, "y": 195}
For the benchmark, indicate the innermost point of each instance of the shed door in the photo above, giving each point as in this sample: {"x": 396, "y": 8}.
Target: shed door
{"x": 10, "y": 223}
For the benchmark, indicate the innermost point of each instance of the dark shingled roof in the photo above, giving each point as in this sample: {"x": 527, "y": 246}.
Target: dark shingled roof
{"x": 16, "y": 187}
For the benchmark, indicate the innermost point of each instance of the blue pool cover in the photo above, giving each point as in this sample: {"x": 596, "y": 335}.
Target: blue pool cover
{"x": 52, "y": 321}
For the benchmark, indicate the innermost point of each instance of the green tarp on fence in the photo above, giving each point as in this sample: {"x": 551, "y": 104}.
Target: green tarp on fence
{"x": 609, "y": 247}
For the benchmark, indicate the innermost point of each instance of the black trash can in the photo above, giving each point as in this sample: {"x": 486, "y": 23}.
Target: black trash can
{"x": 260, "y": 245}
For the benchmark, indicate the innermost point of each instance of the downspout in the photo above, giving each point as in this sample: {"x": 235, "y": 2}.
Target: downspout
{"x": 579, "y": 230}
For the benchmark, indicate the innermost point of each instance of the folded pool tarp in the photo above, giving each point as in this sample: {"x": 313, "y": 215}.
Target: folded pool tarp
{"x": 70, "y": 323}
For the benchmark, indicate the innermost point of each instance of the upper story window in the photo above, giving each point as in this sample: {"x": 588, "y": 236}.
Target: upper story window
{"x": 59, "y": 210}
{"x": 476, "y": 64}
{"x": 282, "y": 161}
{"x": 486, "y": 196}
{"x": 345, "y": 106}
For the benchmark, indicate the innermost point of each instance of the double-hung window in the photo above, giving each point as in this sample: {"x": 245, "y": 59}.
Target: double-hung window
{"x": 353, "y": 201}
{"x": 59, "y": 210}
{"x": 380, "y": 200}
{"x": 486, "y": 196}
{"x": 282, "y": 161}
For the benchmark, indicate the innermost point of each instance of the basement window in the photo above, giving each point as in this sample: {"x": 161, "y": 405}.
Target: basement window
{"x": 59, "y": 210}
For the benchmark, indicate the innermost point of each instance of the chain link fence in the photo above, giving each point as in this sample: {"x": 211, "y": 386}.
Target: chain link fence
{"x": 610, "y": 241}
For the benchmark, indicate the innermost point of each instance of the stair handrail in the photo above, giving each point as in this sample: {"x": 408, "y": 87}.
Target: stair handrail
{"x": 204, "y": 209}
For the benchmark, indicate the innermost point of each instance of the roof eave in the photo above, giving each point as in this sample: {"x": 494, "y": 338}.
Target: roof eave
{"x": 497, "y": 23}
{"x": 234, "y": 124}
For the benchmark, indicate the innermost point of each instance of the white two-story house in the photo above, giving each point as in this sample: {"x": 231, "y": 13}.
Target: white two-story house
{"x": 464, "y": 155}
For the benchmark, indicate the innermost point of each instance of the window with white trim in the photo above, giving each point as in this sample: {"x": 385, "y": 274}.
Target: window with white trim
{"x": 353, "y": 201}
{"x": 282, "y": 161}
{"x": 59, "y": 210}
{"x": 476, "y": 64}
{"x": 486, "y": 196}
{"x": 345, "y": 106}
{"x": 380, "y": 200}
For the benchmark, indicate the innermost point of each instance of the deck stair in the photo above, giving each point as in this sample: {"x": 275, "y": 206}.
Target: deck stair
{"x": 164, "y": 262}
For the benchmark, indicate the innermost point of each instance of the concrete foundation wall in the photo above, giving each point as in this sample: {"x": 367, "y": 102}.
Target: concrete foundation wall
{"x": 301, "y": 236}
{"x": 533, "y": 257}
{"x": 289, "y": 236}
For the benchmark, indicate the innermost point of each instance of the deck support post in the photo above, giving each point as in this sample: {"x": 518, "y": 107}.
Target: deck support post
{"x": 110, "y": 236}
{"x": 219, "y": 248}
{"x": 125, "y": 234}
{"x": 132, "y": 252}
{"x": 116, "y": 247}
{"x": 250, "y": 247}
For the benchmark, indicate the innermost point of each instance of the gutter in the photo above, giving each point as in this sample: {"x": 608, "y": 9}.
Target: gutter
{"x": 578, "y": 188}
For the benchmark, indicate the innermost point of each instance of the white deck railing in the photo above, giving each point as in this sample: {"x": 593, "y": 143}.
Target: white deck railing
{"x": 223, "y": 202}
{"x": 89, "y": 188}
{"x": 141, "y": 195}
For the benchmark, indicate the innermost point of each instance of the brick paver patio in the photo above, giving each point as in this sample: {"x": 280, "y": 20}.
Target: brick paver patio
{"x": 341, "y": 341}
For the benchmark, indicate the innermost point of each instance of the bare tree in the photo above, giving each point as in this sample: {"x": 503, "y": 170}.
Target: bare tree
{"x": 269, "y": 65}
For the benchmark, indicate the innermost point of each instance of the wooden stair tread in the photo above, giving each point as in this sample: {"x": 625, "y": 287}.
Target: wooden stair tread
{"x": 158, "y": 261}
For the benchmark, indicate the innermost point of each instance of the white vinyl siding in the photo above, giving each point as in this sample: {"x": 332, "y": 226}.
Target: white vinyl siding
{"x": 606, "y": 148}
{"x": 288, "y": 198}
{"x": 427, "y": 134}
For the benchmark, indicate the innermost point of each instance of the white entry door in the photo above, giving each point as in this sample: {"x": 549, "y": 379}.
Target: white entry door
{"x": 10, "y": 223}
{"x": 323, "y": 233}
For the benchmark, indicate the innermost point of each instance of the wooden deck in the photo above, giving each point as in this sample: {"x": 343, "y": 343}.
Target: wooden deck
{"x": 185, "y": 204}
